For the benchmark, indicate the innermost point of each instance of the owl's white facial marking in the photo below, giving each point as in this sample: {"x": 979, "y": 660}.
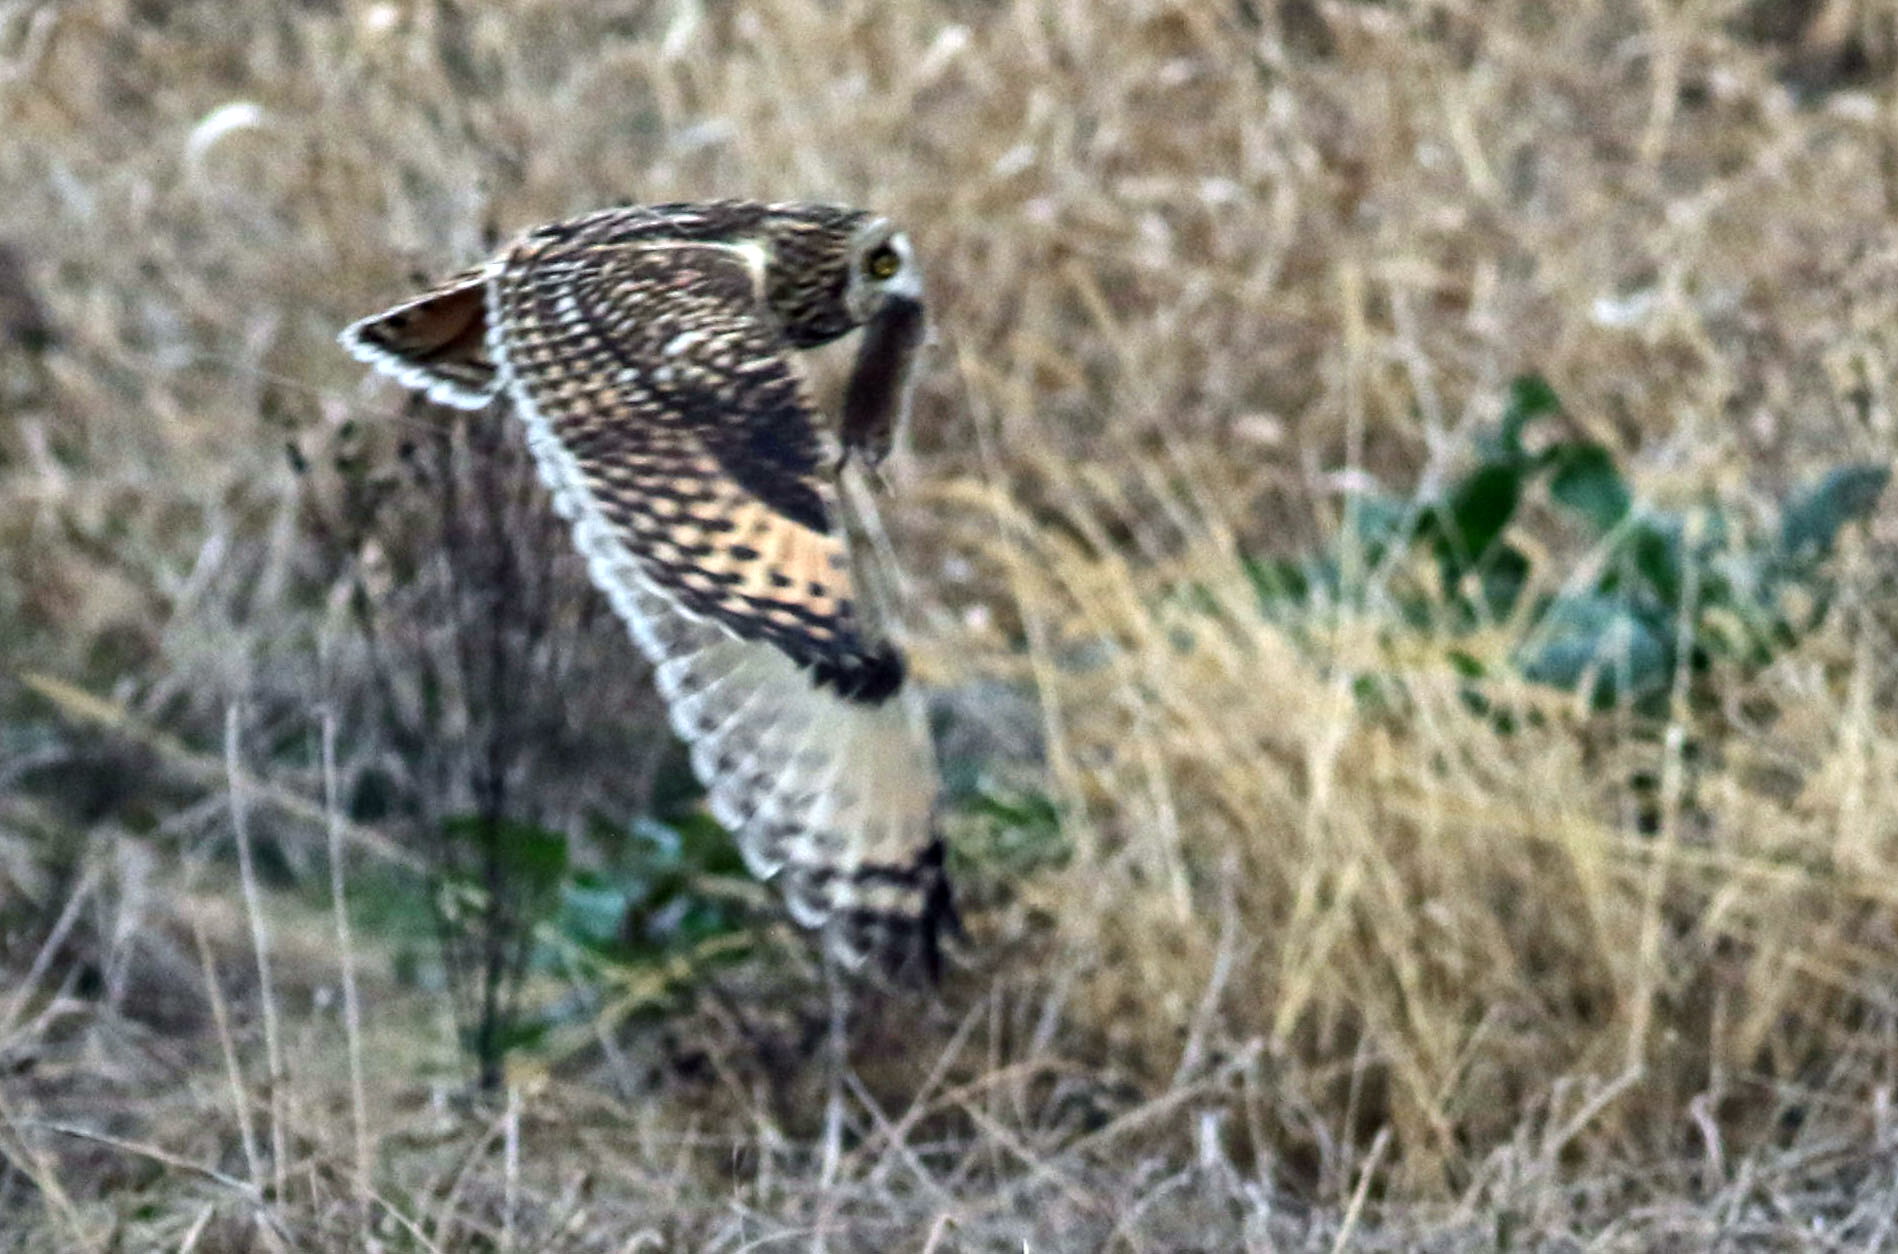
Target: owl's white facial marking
{"x": 882, "y": 265}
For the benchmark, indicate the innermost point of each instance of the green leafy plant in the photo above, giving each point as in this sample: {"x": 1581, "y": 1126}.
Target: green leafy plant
{"x": 655, "y": 903}
{"x": 1006, "y": 831}
{"x": 518, "y": 919}
{"x": 499, "y": 702}
{"x": 1659, "y": 589}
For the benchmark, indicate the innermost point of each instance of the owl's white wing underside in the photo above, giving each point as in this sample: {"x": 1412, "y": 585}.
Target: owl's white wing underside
{"x": 831, "y": 797}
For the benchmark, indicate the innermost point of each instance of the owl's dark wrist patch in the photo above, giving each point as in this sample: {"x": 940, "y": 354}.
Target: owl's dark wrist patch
{"x": 869, "y": 678}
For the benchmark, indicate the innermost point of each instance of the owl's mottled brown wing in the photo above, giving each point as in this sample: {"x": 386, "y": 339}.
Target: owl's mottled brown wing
{"x": 694, "y": 435}
{"x": 681, "y": 442}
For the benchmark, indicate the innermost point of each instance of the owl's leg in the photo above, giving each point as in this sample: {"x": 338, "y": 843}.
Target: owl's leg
{"x": 868, "y": 453}
{"x": 871, "y": 460}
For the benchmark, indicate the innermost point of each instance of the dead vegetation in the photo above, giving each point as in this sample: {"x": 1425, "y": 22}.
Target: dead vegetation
{"x": 1297, "y": 968}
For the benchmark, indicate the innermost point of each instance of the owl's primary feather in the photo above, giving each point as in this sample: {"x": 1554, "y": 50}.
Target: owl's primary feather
{"x": 648, "y": 352}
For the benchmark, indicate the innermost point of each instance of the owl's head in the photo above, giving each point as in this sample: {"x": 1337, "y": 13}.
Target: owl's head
{"x": 832, "y": 269}
{"x": 880, "y": 267}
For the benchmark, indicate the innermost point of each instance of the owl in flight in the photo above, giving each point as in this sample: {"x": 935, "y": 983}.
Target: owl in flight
{"x": 648, "y": 352}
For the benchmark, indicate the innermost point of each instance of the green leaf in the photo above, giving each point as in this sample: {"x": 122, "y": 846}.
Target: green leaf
{"x": 705, "y": 846}
{"x": 1019, "y": 808}
{"x": 1467, "y": 664}
{"x": 1601, "y": 636}
{"x": 1378, "y": 522}
{"x": 1283, "y": 585}
{"x": 533, "y": 857}
{"x": 1478, "y": 509}
{"x": 1530, "y": 399}
{"x": 389, "y": 901}
{"x": 509, "y": 1036}
{"x": 676, "y": 788}
{"x": 1812, "y": 521}
{"x": 1502, "y": 580}
{"x": 655, "y": 844}
{"x": 538, "y": 855}
{"x": 373, "y": 797}
{"x": 1655, "y": 549}
{"x": 1019, "y": 832}
{"x": 592, "y": 912}
{"x": 1587, "y": 482}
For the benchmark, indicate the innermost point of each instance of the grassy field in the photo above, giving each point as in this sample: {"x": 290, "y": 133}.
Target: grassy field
{"x": 1307, "y": 910}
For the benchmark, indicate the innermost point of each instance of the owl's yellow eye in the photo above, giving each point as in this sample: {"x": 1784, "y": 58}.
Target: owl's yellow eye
{"x": 882, "y": 263}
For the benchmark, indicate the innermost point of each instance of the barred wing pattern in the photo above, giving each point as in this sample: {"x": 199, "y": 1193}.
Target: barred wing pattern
{"x": 676, "y": 436}
{"x": 436, "y": 342}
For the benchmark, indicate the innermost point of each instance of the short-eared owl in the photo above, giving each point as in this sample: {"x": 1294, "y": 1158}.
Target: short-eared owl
{"x": 647, "y": 349}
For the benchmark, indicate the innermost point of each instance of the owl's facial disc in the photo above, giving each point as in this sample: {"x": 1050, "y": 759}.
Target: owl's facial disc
{"x": 882, "y": 266}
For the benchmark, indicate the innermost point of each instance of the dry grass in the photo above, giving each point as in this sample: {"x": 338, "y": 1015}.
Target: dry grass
{"x": 1315, "y": 975}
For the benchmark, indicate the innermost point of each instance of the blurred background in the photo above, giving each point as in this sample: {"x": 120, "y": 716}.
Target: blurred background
{"x": 1394, "y": 522}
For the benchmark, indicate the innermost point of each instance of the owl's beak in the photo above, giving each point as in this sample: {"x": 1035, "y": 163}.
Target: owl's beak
{"x": 898, "y": 309}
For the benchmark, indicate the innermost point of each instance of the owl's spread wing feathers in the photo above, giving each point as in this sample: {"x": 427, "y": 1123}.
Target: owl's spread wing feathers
{"x": 833, "y": 798}
{"x": 693, "y": 437}
{"x": 677, "y": 437}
